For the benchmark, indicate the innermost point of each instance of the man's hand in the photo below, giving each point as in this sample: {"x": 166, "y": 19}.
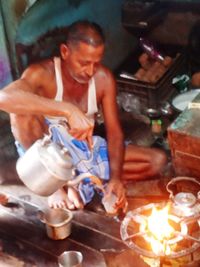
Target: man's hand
{"x": 81, "y": 127}
{"x": 116, "y": 187}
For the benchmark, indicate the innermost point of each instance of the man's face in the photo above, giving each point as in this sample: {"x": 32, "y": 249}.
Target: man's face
{"x": 82, "y": 61}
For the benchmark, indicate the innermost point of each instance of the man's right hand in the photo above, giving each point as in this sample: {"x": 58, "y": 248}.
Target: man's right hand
{"x": 81, "y": 127}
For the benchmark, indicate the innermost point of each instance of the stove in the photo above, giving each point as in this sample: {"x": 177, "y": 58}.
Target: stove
{"x": 168, "y": 231}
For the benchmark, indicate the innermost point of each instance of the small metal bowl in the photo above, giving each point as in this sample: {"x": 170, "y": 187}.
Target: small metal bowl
{"x": 70, "y": 258}
{"x": 58, "y": 222}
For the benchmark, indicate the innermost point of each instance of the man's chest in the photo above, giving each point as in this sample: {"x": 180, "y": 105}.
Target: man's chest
{"x": 77, "y": 97}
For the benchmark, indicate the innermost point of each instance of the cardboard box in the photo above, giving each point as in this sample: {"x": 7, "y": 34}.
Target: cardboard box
{"x": 184, "y": 142}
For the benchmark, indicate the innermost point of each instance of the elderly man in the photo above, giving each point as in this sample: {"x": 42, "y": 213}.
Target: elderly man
{"x": 70, "y": 89}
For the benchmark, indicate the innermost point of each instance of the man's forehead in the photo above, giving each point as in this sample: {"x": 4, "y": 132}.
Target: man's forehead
{"x": 82, "y": 44}
{"x": 84, "y": 47}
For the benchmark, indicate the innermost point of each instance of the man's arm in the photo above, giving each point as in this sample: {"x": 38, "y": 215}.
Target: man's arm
{"x": 24, "y": 96}
{"x": 114, "y": 133}
{"x": 17, "y": 98}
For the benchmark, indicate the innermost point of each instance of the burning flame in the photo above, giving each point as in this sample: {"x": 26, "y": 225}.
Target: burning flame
{"x": 159, "y": 230}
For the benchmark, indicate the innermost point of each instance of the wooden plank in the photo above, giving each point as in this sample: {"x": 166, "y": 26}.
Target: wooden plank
{"x": 36, "y": 238}
{"x": 15, "y": 251}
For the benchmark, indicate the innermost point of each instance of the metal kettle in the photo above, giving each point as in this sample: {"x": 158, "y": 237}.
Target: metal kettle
{"x": 45, "y": 167}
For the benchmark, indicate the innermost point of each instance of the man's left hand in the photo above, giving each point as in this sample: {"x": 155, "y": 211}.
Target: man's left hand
{"x": 116, "y": 187}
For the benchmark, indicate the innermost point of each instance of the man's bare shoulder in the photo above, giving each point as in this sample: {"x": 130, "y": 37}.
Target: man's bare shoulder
{"x": 42, "y": 67}
{"x": 104, "y": 75}
{"x": 40, "y": 74}
{"x": 104, "y": 72}
{"x": 104, "y": 80}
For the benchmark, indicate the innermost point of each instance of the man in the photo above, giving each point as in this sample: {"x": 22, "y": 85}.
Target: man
{"x": 71, "y": 88}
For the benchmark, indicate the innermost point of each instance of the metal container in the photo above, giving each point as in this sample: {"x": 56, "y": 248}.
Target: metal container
{"x": 70, "y": 259}
{"x": 45, "y": 167}
{"x": 58, "y": 222}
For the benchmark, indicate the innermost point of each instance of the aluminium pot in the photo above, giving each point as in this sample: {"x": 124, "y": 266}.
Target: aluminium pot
{"x": 45, "y": 167}
{"x": 58, "y": 222}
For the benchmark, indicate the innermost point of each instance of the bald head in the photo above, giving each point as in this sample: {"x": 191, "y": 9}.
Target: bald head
{"x": 86, "y": 32}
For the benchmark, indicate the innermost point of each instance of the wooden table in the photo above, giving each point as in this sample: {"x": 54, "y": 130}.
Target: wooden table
{"x": 23, "y": 236}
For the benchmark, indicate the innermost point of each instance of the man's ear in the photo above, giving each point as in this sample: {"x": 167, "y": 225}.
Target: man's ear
{"x": 64, "y": 51}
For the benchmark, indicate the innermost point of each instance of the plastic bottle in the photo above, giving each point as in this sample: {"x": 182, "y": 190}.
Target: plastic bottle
{"x": 149, "y": 48}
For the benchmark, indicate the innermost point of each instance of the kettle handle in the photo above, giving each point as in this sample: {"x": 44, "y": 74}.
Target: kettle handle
{"x": 46, "y": 139}
{"x": 177, "y": 179}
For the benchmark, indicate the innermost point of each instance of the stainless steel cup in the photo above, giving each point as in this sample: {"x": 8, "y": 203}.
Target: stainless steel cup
{"x": 58, "y": 222}
{"x": 70, "y": 259}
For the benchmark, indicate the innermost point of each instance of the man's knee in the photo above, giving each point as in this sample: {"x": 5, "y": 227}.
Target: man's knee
{"x": 162, "y": 157}
{"x": 159, "y": 160}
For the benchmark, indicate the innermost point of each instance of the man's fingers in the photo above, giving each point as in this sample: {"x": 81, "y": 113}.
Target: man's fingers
{"x": 121, "y": 201}
{"x": 89, "y": 137}
{"x": 83, "y": 136}
{"x": 90, "y": 142}
{"x": 125, "y": 207}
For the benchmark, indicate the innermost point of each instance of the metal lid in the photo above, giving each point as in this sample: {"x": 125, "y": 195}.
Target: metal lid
{"x": 185, "y": 199}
